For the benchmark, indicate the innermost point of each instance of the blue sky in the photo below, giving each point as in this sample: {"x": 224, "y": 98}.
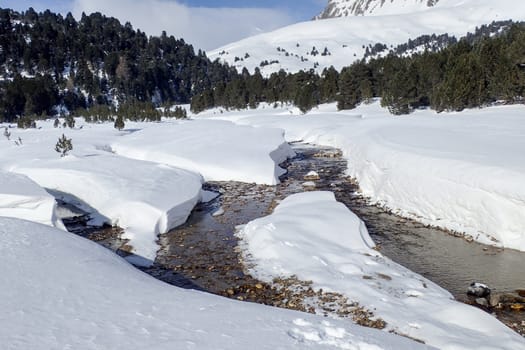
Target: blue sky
{"x": 207, "y": 24}
{"x": 299, "y": 10}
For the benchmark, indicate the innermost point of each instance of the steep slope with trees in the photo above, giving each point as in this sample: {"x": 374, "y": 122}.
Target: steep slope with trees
{"x": 47, "y": 60}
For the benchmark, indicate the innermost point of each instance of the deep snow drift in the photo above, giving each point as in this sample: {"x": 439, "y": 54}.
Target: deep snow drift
{"x": 219, "y": 150}
{"x": 20, "y": 197}
{"x": 61, "y": 291}
{"x": 461, "y": 171}
{"x": 312, "y": 236}
{"x": 292, "y": 48}
{"x": 144, "y": 198}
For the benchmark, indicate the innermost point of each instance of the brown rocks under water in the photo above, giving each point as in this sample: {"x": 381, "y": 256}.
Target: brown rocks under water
{"x": 203, "y": 253}
{"x": 507, "y": 305}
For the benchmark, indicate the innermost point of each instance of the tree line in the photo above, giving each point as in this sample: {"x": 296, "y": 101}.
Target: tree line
{"x": 474, "y": 71}
{"x": 96, "y": 67}
{"x": 49, "y": 60}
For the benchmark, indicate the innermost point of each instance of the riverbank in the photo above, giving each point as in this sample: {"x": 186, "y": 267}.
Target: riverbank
{"x": 203, "y": 253}
{"x": 464, "y": 172}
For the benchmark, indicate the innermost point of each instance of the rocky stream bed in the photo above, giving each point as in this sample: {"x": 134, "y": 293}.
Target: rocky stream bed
{"x": 203, "y": 253}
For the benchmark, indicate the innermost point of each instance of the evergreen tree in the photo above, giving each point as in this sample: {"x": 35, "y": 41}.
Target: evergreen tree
{"x": 463, "y": 85}
{"x": 119, "y": 122}
{"x": 26, "y": 122}
{"x": 349, "y": 95}
{"x": 70, "y": 121}
{"x": 63, "y": 146}
{"x": 329, "y": 84}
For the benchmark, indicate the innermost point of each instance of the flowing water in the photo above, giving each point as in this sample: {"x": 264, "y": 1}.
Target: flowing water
{"x": 202, "y": 253}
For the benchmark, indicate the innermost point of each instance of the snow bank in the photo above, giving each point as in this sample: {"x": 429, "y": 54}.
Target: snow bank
{"x": 143, "y": 198}
{"x": 60, "y": 291}
{"x": 22, "y": 198}
{"x": 462, "y": 171}
{"x": 218, "y": 150}
{"x": 316, "y": 238}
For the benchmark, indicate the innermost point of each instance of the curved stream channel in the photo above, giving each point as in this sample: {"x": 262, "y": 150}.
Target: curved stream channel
{"x": 202, "y": 253}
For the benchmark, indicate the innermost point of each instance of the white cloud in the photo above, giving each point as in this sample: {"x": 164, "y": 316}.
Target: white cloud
{"x": 205, "y": 28}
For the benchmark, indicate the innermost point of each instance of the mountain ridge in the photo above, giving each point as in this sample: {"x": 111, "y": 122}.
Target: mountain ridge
{"x": 340, "y": 41}
{"x": 347, "y": 8}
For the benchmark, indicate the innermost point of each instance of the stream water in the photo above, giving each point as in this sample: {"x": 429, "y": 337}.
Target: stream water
{"x": 202, "y": 253}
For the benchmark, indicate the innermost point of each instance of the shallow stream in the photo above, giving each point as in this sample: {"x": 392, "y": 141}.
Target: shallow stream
{"x": 202, "y": 253}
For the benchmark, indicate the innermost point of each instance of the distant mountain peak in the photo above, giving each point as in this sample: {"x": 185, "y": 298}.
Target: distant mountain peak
{"x": 347, "y": 8}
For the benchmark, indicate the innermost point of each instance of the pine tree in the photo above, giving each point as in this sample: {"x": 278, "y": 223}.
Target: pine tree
{"x": 119, "y": 122}
{"x": 349, "y": 95}
{"x": 63, "y": 146}
{"x": 70, "y": 121}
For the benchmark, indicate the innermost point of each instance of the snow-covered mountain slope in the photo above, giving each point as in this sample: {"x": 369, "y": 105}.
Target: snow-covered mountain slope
{"x": 302, "y": 46}
{"x": 345, "y": 8}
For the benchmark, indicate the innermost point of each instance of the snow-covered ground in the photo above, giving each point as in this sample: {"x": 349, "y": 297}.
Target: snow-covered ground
{"x": 20, "y": 197}
{"x": 219, "y": 150}
{"x": 346, "y": 39}
{"x": 60, "y": 291}
{"x": 317, "y": 239}
{"x": 144, "y": 197}
{"x": 462, "y": 171}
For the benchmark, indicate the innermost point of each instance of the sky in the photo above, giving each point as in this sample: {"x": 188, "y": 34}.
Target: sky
{"x": 206, "y": 24}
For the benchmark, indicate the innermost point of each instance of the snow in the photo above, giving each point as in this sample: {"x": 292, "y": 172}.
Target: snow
{"x": 343, "y": 8}
{"x": 219, "y": 150}
{"x": 61, "y": 291}
{"x": 312, "y": 175}
{"x": 145, "y": 199}
{"x": 218, "y": 212}
{"x": 309, "y": 184}
{"x": 461, "y": 171}
{"x": 312, "y": 236}
{"x": 464, "y": 171}
{"x": 347, "y": 38}
{"x": 22, "y": 198}
{"x": 152, "y": 184}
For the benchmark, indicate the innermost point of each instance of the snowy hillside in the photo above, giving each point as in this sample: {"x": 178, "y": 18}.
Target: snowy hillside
{"x": 340, "y": 41}
{"x": 345, "y": 8}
